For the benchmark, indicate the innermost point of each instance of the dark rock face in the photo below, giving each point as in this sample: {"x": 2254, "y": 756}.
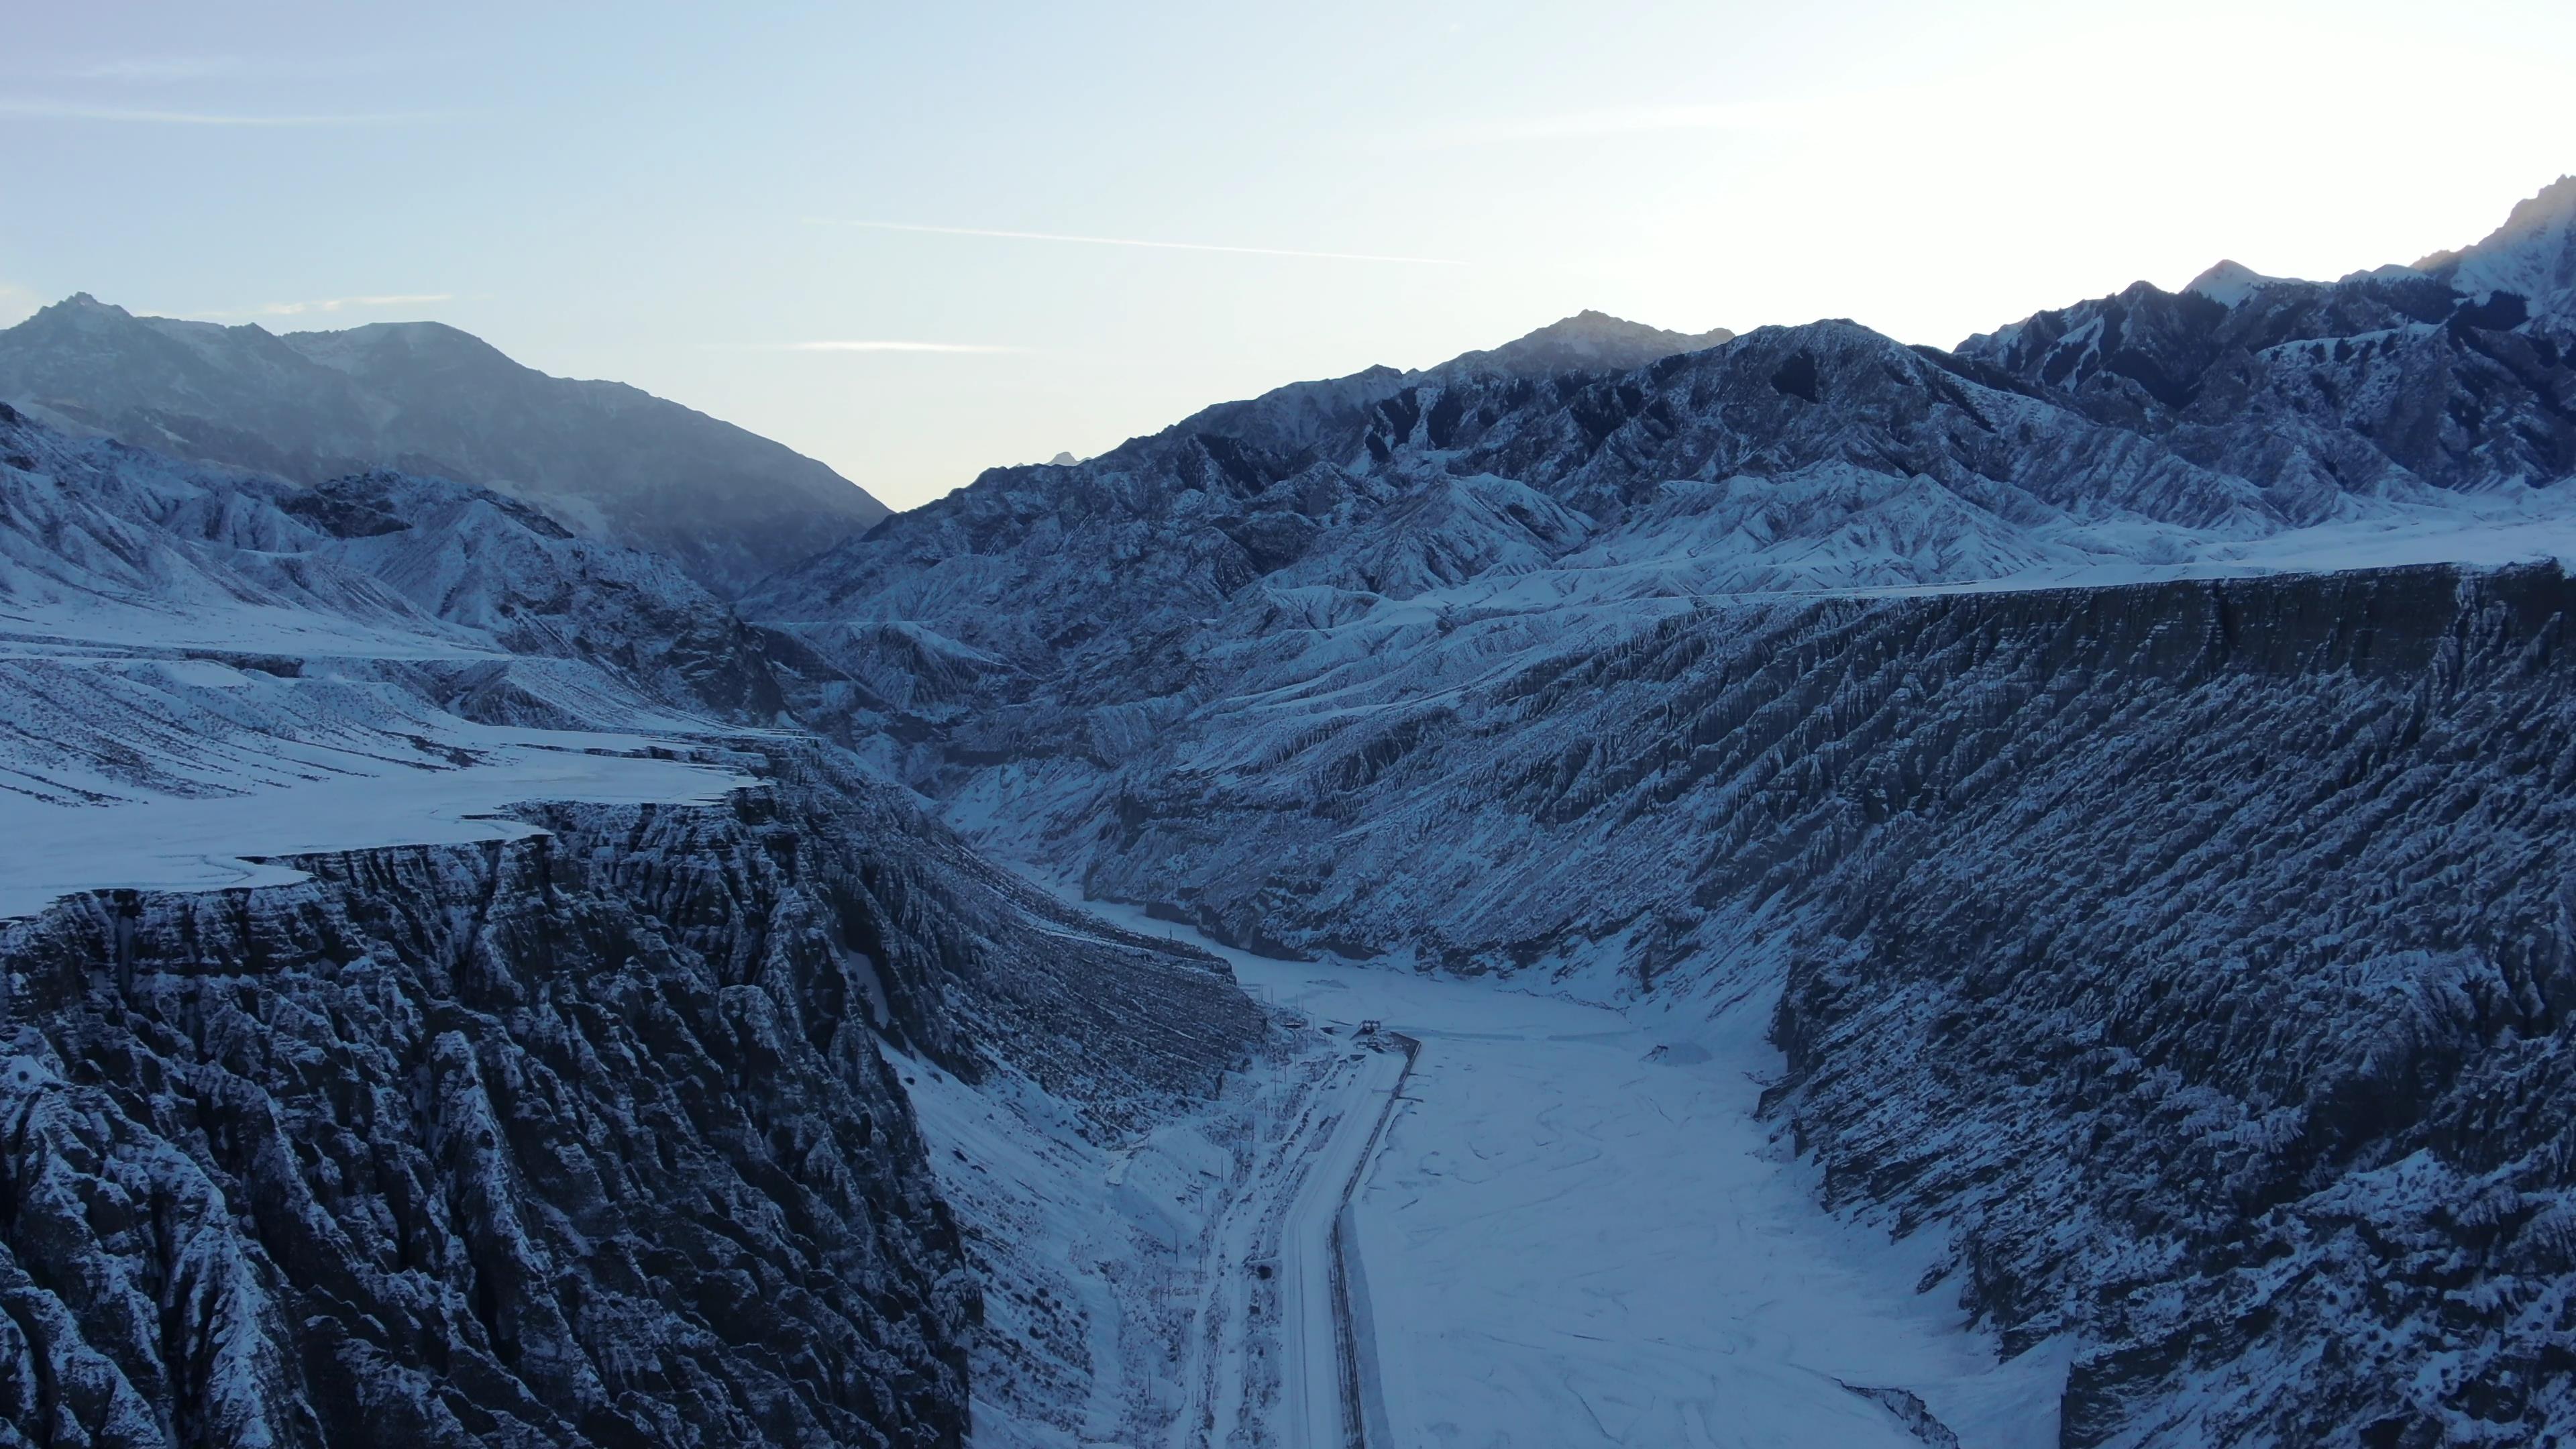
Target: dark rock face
{"x": 579, "y": 1139}
{"x": 2312, "y": 389}
{"x": 2227, "y": 1018}
{"x": 2202, "y": 954}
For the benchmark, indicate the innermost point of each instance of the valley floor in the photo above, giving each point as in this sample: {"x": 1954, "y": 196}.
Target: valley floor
{"x": 1573, "y": 1231}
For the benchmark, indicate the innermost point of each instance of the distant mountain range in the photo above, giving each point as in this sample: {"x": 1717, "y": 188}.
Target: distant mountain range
{"x": 612, "y": 461}
{"x": 2148, "y": 431}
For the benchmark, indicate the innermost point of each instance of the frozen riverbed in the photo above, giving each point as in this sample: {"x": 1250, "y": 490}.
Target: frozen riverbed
{"x": 1576, "y": 1232}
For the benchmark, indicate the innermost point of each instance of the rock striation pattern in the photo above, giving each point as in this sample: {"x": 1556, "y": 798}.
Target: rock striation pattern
{"x": 2201, "y": 955}
{"x": 580, "y": 1139}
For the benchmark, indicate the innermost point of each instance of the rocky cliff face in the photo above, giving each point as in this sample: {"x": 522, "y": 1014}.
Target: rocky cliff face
{"x": 2198, "y": 954}
{"x": 2221, "y": 1000}
{"x": 580, "y": 1139}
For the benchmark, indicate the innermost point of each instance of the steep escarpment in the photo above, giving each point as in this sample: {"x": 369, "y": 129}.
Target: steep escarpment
{"x": 2239, "y": 1043}
{"x": 576, "y": 1139}
{"x": 2202, "y": 955}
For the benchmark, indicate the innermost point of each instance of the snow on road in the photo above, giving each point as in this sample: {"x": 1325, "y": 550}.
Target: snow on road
{"x": 1571, "y": 1237}
{"x": 1311, "y": 1395}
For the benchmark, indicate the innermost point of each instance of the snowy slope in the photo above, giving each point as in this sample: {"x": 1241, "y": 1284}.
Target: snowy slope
{"x": 430, "y": 1011}
{"x": 614, "y": 462}
{"x": 2533, "y": 255}
{"x": 108, "y": 545}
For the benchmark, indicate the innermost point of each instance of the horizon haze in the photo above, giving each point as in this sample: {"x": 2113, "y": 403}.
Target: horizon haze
{"x": 915, "y": 246}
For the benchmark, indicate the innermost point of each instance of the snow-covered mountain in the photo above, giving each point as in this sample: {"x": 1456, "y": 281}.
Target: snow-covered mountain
{"x": 613, "y": 462}
{"x": 2123, "y": 760}
{"x": 1585, "y": 342}
{"x": 2533, "y": 255}
{"x": 2010, "y": 712}
{"x": 441, "y": 1006}
{"x": 108, "y": 546}
{"x": 2384, "y": 418}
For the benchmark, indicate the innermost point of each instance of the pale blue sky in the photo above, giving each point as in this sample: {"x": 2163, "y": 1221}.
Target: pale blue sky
{"x": 666, "y": 194}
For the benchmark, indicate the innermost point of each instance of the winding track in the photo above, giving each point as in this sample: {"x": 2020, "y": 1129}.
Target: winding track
{"x": 1363, "y": 1412}
{"x": 1319, "y": 1393}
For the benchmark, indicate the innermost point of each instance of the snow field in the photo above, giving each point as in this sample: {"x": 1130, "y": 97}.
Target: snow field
{"x": 1571, "y": 1237}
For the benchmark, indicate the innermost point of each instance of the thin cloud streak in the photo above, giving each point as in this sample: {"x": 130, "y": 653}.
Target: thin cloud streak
{"x": 69, "y": 111}
{"x": 881, "y": 346}
{"x": 334, "y": 304}
{"x": 160, "y": 68}
{"x": 1117, "y": 241}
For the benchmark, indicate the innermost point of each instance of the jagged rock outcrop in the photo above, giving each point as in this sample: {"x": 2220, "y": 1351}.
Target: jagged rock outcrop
{"x": 585, "y": 1138}
{"x": 2379, "y": 384}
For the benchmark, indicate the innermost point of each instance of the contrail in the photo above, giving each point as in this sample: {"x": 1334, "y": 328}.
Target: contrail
{"x": 1120, "y": 241}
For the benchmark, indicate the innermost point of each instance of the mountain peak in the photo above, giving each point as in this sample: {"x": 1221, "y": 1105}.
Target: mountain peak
{"x": 2229, "y": 283}
{"x": 2532, "y": 254}
{"x": 729, "y": 506}
{"x": 1588, "y": 341}
{"x": 79, "y": 307}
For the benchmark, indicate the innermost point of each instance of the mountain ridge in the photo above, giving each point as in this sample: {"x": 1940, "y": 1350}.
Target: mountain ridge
{"x": 2165, "y": 631}
{"x": 612, "y": 460}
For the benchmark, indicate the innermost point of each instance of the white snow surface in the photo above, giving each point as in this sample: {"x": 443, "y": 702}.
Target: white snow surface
{"x": 336, "y": 800}
{"x": 195, "y": 675}
{"x": 1575, "y": 1231}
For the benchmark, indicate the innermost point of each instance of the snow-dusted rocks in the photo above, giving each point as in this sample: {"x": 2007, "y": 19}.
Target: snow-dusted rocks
{"x": 107, "y": 545}
{"x": 582, "y": 1138}
{"x": 2533, "y": 255}
{"x": 2189, "y": 946}
{"x": 615, "y": 463}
